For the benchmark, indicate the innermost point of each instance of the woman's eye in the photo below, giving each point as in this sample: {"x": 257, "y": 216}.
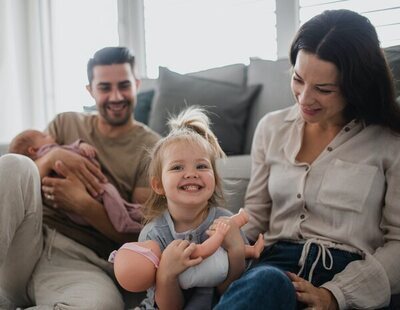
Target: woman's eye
{"x": 325, "y": 91}
{"x": 296, "y": 79}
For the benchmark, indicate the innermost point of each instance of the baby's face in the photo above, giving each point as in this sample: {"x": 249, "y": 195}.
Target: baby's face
{"x": 40, "y": 139}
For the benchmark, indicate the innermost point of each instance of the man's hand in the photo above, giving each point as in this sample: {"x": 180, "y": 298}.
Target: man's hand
{"x": 67, "y": 193}
{"x": 317, "y": 298}
{"x": 86, "y": 171}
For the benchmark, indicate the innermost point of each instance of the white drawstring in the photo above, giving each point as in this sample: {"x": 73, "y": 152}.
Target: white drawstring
{"x": 322, "y": 249}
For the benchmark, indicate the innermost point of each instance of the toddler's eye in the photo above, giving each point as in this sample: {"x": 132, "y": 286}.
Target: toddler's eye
{"x": 176, "y": 168}
{"x": 202, "y": 166}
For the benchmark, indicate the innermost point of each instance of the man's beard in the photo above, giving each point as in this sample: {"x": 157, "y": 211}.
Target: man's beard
{"x": 126, "y": 108}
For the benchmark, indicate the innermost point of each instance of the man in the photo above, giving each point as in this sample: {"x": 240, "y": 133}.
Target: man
{"x": 72, "y": 272}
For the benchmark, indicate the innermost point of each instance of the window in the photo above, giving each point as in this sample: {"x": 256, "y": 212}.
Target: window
{"x": 193, "y": 35}
{"x": 383, "y": 14}
{"x": 79, "y": 28}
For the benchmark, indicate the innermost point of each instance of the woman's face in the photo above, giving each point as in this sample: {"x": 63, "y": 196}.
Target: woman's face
{"x": 315, "y": 87}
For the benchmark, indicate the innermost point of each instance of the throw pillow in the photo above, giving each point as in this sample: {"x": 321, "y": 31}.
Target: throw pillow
{"x": 227, "y": 104}
{"x": 393, "y": 57}
{"x": 142, "y": 108}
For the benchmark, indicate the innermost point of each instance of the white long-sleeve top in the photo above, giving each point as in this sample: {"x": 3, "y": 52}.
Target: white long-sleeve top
{"x": 348, "y": 198}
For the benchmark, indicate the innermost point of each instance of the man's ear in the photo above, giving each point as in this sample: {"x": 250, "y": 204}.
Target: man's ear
{"x": 157, "y": 186}
{"x": 138, "y": 83}
{"x": 89, "y": 89}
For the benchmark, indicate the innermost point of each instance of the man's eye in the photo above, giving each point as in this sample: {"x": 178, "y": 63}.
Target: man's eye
{"x": 125, "y": 86}
{"x": 104, "y": 89}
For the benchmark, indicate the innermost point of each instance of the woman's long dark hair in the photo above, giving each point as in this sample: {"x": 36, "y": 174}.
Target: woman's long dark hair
{"x": 349, "y": 40}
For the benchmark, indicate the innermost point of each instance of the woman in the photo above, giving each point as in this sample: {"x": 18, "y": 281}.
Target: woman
{"x": 325, "y": 178}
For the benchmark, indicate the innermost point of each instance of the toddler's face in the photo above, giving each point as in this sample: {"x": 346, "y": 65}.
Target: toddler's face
{"x": 188, "y": 177}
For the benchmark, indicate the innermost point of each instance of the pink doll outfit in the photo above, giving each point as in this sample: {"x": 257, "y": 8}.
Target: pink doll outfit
{"x": 124, "y": 216}
{"x": 147, "y": 253}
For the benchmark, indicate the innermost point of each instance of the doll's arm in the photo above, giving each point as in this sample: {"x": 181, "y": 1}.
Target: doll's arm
{"x": 209, "y": 246}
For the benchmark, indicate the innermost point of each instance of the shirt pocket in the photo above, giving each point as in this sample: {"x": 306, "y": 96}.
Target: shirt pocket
{"x": 346, "y": 185}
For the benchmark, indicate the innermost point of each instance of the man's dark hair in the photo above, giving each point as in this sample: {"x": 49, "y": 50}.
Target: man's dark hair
{"x": 110, "y": 56}
{"x": 349, "y": 40}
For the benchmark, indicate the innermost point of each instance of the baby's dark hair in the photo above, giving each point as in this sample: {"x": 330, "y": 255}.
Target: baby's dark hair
{"x": 191, "y": 126}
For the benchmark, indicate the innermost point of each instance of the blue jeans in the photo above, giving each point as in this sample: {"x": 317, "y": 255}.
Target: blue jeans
{"x": 265, "y": 284}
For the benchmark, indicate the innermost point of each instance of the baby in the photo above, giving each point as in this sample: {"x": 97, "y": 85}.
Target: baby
{"x": 125, "y": 217}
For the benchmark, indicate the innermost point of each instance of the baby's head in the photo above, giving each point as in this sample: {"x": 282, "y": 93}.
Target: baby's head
{"x": 28, "y": 142}
{"x": 182, "y": 167}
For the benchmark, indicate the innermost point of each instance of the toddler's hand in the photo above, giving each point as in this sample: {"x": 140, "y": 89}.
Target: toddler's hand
{"x": 176, "y": 258}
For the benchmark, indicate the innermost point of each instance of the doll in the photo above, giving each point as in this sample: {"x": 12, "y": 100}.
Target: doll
{"x": 136, "y": 263}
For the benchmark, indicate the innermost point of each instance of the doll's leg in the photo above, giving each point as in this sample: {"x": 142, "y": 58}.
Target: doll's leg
{"x": 21, "y": 236}
{"x": 254, "y": 251}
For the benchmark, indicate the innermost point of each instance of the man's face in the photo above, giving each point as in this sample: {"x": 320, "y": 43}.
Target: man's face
{"x": 114, "y": 89}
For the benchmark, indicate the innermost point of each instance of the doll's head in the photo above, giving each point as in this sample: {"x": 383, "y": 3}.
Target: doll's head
{"x": 182, "y": 167}
{"x": 29, "y": 142}
{"x": 135, "y": 265}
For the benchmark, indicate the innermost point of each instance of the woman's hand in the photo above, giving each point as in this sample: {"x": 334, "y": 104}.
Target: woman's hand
{"x": 67, "y": 193}
{"x": 314, "y": 297}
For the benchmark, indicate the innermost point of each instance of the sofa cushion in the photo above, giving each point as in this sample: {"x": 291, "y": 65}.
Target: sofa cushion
{"x": 143, "y": 106}
{"x": 393, "y": 57}
{"x": 275, "y": 94}
{"x": 235, "y": 174}
{"x": 233, "y": 74}
{"x": 227, "y": 104}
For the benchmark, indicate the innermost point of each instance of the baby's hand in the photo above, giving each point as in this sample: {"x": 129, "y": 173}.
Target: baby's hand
{"x": 176, "y": 258}
{"x": 87, "y": 150}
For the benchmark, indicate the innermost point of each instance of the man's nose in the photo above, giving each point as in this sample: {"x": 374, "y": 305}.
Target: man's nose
{"x": 116, "y": 95}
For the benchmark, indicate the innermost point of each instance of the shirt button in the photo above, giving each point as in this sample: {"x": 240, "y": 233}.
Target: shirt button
{"x": 299, "y": 196}
{"x": 329, "y": 149}
{"x": 302, "y": 216}
{"x": 300, "y": 236}
{"x": 346, "y": 129}
{"x": 307, "y": 168}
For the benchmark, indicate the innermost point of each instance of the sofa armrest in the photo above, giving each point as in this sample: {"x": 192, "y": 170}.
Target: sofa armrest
{"x": 235, "y": 174}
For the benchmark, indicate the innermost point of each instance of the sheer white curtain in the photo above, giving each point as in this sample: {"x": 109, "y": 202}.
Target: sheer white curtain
{"x": 25, "y": 66}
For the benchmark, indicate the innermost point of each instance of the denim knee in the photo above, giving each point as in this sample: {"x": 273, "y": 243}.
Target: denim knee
{"x": 262, "y": 287}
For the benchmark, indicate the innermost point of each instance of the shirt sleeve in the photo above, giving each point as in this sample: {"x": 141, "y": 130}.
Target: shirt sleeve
{"x": 258, "y": 201}
{"x": 368, "y": 283}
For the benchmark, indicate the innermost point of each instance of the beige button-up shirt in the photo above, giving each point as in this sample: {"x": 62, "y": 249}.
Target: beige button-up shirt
{"x": 348, "y": 198}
